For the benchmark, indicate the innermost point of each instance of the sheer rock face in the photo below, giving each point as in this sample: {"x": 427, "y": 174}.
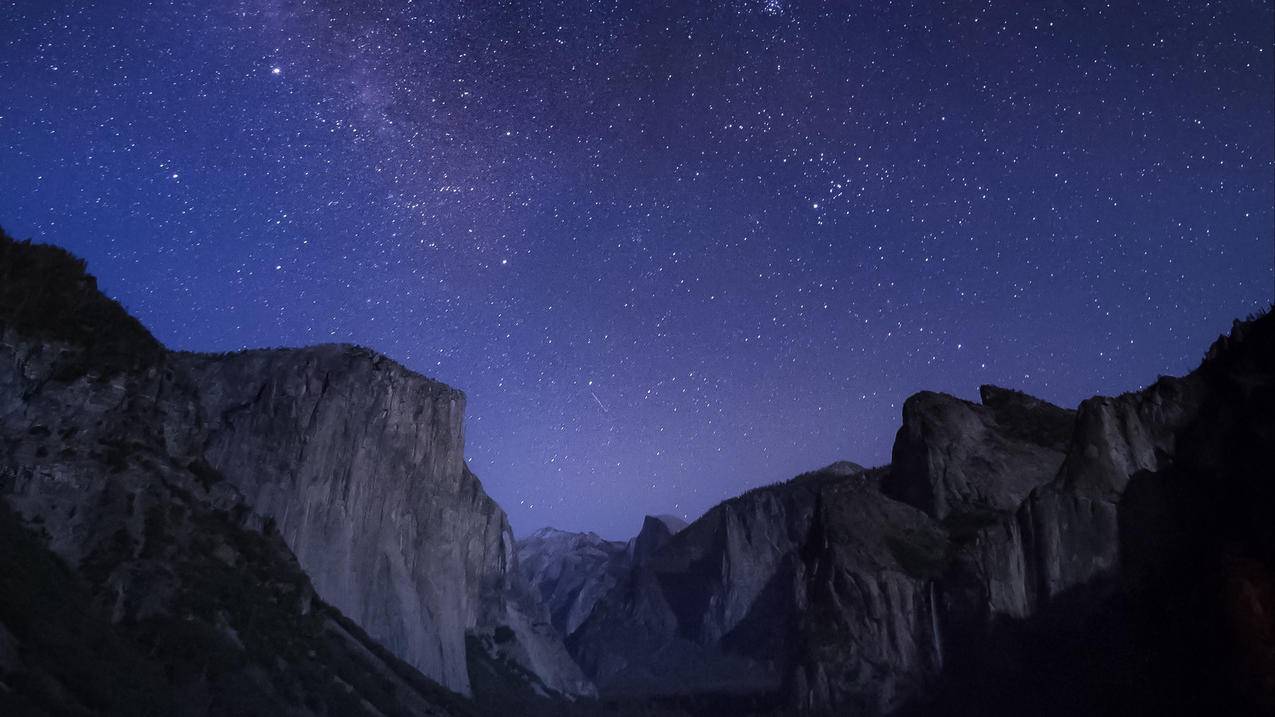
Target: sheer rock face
{"x": 360, "y": 464}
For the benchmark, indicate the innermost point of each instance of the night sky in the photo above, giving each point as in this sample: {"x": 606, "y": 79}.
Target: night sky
{"x": 671, "y": 250}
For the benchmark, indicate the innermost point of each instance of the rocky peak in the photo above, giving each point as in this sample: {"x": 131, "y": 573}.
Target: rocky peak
{"x": 570, "y": 572}
{"x": 655, "y": 533}
{"x": 956, "y": 458}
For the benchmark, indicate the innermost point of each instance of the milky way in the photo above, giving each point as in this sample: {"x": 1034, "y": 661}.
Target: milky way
{"x": 671, "y": 250}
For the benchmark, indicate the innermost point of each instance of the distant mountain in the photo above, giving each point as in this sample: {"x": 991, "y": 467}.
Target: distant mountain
{"x": 656, "y": 531}
{"x": 572, "y": 571}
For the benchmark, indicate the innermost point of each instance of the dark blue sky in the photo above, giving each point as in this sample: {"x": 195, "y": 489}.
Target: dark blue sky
{"x": 671, "y": 250}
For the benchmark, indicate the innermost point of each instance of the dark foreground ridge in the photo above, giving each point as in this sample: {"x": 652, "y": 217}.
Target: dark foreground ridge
{"x": 295, "y": 532}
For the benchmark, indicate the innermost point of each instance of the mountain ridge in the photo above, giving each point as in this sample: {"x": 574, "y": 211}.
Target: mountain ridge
{"x": 233, "y": 496}
{"x": 1023, "y": 507}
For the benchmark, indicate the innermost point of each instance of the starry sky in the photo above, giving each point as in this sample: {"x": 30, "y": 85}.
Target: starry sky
{"x": 671, "y": 249}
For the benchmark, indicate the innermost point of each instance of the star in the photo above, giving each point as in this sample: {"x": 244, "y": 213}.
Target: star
{"x": 653, "y": 176}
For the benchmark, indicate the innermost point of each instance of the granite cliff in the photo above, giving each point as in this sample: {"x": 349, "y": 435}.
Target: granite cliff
{"x": 360, "y": 463}
{"x": 114, "y": 446}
